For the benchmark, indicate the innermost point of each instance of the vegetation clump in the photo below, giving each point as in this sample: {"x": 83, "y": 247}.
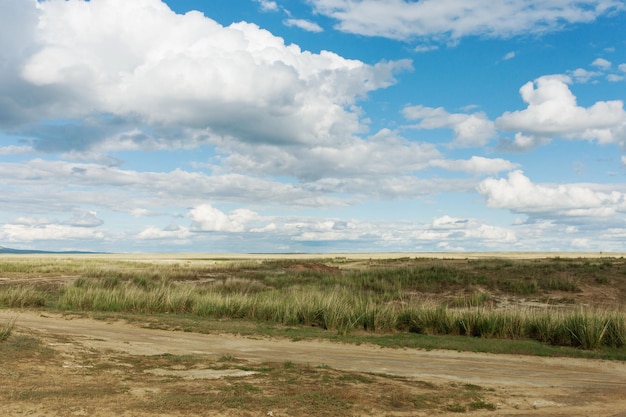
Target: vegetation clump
{"x": 6, "y": 329}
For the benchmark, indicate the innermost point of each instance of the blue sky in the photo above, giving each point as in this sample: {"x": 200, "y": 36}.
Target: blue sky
{"x": 313, "y": 126}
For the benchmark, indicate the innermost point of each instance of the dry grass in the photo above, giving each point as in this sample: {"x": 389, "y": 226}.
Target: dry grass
{"x": 6, "y": 329}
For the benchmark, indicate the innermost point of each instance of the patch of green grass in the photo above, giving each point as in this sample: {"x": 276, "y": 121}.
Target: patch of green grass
{"x": 482, "y": 405}
{"x": 227, "y": 358}
{"x": 456, "y": 408}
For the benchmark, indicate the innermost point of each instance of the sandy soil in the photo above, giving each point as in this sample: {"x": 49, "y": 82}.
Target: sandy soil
{"x": 519, "y": 385}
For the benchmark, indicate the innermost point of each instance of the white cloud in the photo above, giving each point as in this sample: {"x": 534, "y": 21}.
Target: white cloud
{"x": 85, "y": 219}
{"x": 127, "y": 190}
{"x": 383, "y": 154}
{"x": 582, "y": 75}
{"x": 239, "y": 81}
{"x": 401, "y": 19}
{"x": 180, "y": 235}
{"x": 16, "y": 150}
{"x": 509, "y": 55}
{"x": 615, "y": 78}
{"x": 622, "y": 67}
{"x": 268, "y": 5}
{"x": 522, "y": 143}
{"x": 47, "y": 232}
{"x": 448, "y": 229}
{"x": 31, "y": 221}
{"x": 553, "y": 111}
{"x": 601, "y": 63}
{"x": 206, "y": 218}
{"x": 471, "y": 130}
{"x": 476, "y": 165}
{"x": 518, "y": 194}
{"x": 425, "y": 48}
{"x": 303, "y": 24}
{"x": 582, "y": 243}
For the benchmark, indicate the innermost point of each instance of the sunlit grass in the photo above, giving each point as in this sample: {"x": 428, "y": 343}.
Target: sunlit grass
{"x": 384, "y": 296}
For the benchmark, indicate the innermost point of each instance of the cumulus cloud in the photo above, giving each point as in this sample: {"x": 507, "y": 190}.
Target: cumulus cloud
{"x": 601, "y": 63}
{"x": 402, "y": 19}
{"x": 20, "y": 101}
{"x": 446, "y": 229}
{"x": 522, "y": 143}
{"x": 582, "y": 75}
{"x": 520, "y": 195}
{"x": 206, "y": 218}
{"x": 553, "y": 111}
{"x": 615, "y": 78}
{"x": 85, "y": 219}
{"x": 442, "y": 232}
{"x": 602, "y": 67}
{"x": 268, "y": 5}
{"x": 177, "y": 235}
{"x": 238, "y": 81}
{"x": 471, "y": 130}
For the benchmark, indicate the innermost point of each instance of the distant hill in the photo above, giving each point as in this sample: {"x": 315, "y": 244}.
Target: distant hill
{"x": 11, "y": 251}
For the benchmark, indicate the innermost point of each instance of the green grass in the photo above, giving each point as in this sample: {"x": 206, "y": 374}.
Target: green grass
{"x": 23, "y": 296}
{"x": 345, "y": 311}
{"x": 386, "y": 297}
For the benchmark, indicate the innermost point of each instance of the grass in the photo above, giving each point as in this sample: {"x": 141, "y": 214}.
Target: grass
{"x": 6, "y": 329}
{"x": 382, "y": 297}
{"x": 345, "y": 311}
{"x": 23, "y": 296}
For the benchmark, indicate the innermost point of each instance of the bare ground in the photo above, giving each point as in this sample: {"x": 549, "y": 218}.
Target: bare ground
{"x": 104, "y": 368}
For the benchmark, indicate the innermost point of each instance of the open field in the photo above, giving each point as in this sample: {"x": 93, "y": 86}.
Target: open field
{"x": 303, "y": 334}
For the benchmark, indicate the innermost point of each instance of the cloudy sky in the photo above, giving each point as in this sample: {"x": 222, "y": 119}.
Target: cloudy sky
{"x": 313, "y": 125}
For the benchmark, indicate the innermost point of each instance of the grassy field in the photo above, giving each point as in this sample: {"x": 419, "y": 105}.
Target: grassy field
{"x": 574, "y": 303}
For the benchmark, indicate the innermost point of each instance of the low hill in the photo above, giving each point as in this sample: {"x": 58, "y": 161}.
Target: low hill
{"x": 11, "y": 251}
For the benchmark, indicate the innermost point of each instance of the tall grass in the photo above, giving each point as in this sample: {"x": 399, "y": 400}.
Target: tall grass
{"x": 23, "y": 296}
{"x": 343, "y": 310}
{"x": 384, "y": 297}
{"x": 6, "y": 329}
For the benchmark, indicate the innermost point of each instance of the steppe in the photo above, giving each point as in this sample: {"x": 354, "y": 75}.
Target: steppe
{"x": 64, "y": 359}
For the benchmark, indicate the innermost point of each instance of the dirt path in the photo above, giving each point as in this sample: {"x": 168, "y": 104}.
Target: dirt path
{"x": 526, "y": 385}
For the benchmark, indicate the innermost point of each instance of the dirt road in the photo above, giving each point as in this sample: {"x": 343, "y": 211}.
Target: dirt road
{"x": 523, "y": 385}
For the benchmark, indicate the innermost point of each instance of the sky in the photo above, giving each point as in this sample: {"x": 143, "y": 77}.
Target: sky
{"x": 317, "y": 126}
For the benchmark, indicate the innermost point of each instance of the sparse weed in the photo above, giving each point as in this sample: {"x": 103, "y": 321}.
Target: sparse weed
{"x": 6, "y": 329}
